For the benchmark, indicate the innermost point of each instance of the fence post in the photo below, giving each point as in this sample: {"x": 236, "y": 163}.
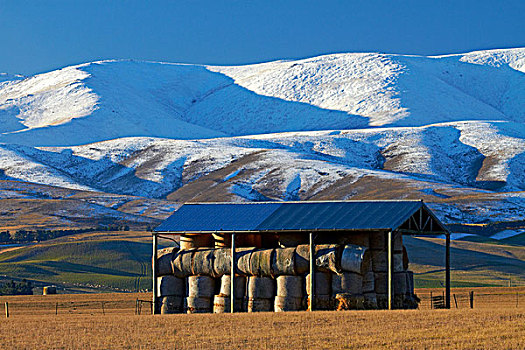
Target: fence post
{"x": 517, "y": 299}
{"x": 103, "y": 311}
{"x": 455, "y": 301}
{"x": 56, "y": 308}
{"x": 431, "y": 301}
{"x": 6, "y": 309}
{"x": 471, "y": 299}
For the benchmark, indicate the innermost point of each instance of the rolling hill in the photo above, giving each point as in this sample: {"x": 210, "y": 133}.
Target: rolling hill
{"x": 113, "y": 138}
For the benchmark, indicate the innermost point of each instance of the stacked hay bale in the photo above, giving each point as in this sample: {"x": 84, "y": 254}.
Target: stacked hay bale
{"x": 171, "y": 291}
{"x": 347, "y": 286}
{"x": 261, "y": 291}
{"x": 350, "y": 277}
{"x": 222, "y": 301}
{"x": 289, "y": 293}
{"x": 201, "y": 290}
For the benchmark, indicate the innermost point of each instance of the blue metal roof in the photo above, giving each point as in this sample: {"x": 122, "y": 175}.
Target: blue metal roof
{"x": 286, "y": 216}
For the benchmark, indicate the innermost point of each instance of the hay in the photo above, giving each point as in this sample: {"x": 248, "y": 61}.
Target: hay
{"x": 290, "y": 286}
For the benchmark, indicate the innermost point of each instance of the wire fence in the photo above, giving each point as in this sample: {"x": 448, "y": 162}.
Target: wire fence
{"x": 473, "y": 298}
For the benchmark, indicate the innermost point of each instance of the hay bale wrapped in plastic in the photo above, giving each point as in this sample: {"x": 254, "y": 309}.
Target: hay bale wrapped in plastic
{"x": 192, "y": 241}
{"x": 290, "y": 291}
{"x": 369, "y": 282}
{"x": 196, "y": 305}
{"x": 243, "y": 255}
{"x": 261, "y": 262}
{"x": 171, "y": 305}
{"x": 323, "y": 283}
{"x": 347, "y": 283}
{"x": 400, "y": 283}
{"x": 171, "y": 286}
{"x": 259, "y": 305}
{"x": 283, "y": 261}
{"x": 261, "y": 291}
{"x": 261, "y": 287}
{"x": 164, "y": 258}
{"x": 355, "y": 258}
{"x": 182, "y": 263}
{"x": 202, "y": 262}
{"x": 201, "y": 286}
{"x": 327, "y": 258}
{"x": 222, "y": 304}
{"x": 239, "y": 286}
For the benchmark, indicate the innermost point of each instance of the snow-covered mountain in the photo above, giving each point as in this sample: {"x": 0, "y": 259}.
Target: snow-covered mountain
{"x": 449, "y": 129}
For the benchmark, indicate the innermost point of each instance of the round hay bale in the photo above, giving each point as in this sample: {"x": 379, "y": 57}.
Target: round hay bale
{"x": 48, "y": 290}
{"x": 398, "y": 262}
{"x": 201, "y": 286}
{"x": 286, "y": 240}
{"x": 290, "y": 286}
{"x": 164, "y": 259}
{"x": 381, "y": 282}
{"x": 323, "y": 283}
{"x": 328, "y": 258}
{"x": 171, "y": 286}
{"x": 239, "y": 286}
{"x": 287, "y": 303}
{"x": 405, "y": 259}
{"x": 196, "y": 305}
{"x": 261, "y": 287}
{"x": 369, "y": 282}
{"x": 378, "y": 240}
{"x": 190, "y": 241}
{"x": 283, "y": 261}
{"x": 354, "y": 258}
{"x": 221, "y": 304}
{"x": 370, "y": 301}
{"x": 261, "y": 262}
{"x": 259, "y": 305}
{"x": 222, "y": 240}
{"x": 322, "y": 302}
{"x": 410, "y": 282}
{"x": 347, "y": 283}
{"x": 400, "y": 283}
{"x": 171, "y": 305}
{"x": 379, "y": 260}
{"x": 347, "y": 301}
{"x": 242, "y": 257}
{"x": 397, "y": 241}
{"x": 202, "y": 262}
{"x": 221, "y": 261}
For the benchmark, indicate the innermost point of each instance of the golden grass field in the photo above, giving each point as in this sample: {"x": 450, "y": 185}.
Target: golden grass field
{"x": 494, "y": 323}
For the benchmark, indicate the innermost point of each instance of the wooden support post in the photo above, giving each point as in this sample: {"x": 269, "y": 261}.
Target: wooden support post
{"x": 154, "y": 269}
{"x": 471, "y": 295}
{"x": 232, "y": 279}
{"x": 56, "y": 308}
{"x": 312, "y": 272}
{"x": 6, "y": 309}
{"x": 447, "y": 272}
{"x": 390, "y": 267}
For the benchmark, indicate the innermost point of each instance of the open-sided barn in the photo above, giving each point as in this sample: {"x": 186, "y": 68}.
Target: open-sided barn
{"x": 291, "y": 255}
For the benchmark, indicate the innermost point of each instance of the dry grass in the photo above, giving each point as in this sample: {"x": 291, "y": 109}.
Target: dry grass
{"x": 480, "y": 328}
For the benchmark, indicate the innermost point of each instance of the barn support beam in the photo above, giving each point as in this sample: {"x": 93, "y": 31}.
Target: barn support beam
{"x": 154, "y": 270}
{"x": 390, "y": 267}
{"x": 447, "y": 271}
{"x": 312, "y": 272}
{"x": 232, "y": 279}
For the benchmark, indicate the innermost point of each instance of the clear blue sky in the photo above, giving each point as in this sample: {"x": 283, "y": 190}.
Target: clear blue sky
{"x": 37, "y": 36}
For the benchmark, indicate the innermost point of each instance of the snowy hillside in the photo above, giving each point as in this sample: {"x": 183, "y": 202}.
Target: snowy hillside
{"x": 449, "y": 129}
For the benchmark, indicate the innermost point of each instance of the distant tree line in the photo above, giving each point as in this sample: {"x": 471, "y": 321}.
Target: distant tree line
{"x": 16, "y": 288}
{"x": 27, "y": 236}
